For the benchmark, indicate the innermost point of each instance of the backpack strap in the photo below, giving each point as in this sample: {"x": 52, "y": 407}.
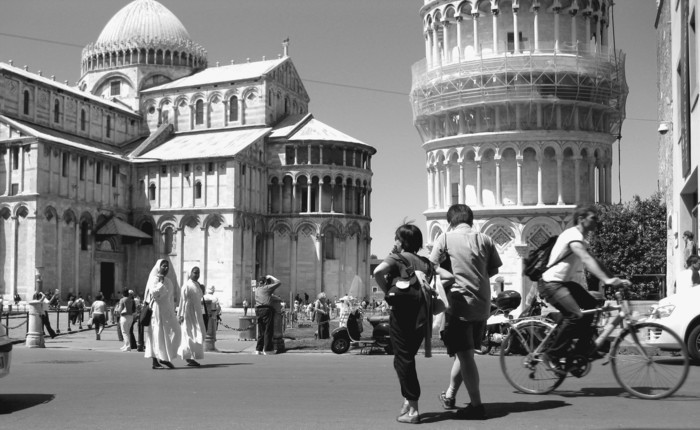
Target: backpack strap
{"x": 560, "y": 259}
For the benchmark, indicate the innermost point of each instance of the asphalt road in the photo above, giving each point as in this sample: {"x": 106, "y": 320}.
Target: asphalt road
{"x": 78, "y": 383}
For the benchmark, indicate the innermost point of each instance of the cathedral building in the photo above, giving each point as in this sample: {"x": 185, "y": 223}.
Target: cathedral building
{"x": 156, "y": 154}
{"x": 518, "y": 104}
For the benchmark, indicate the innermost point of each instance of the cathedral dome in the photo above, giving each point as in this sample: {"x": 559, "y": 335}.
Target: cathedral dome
{"x": 145, "y": 20}
{"x": 143, "y": 32}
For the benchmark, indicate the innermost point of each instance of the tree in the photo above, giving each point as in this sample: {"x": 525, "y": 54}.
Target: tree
{"x": 631, "y": 241}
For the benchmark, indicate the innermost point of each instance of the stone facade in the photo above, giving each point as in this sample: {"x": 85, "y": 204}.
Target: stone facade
{"x": 220, "y": 167}
{"x": 677, "y": 58}
{"x": 518, "y": 104}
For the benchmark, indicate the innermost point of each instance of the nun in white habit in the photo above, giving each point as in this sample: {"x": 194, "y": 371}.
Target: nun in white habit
{"x": 162, "y": 337}
{"x": 189, "y": 314}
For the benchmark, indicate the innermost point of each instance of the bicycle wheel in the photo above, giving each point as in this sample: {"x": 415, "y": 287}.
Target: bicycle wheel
{"x": 649, "y": 361}
{"x": 523, "y": 365}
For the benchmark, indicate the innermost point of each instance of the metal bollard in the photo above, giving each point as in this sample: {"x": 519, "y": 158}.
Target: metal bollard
{"x": 278, "y": 331}
{"x": 35, "y": 331}
{"x": 210, "y": 338}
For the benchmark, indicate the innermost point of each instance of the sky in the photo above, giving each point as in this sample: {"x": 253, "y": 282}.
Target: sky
{"x": 355, "y": 58}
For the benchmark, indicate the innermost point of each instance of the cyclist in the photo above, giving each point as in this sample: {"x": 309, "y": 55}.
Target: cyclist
{"x": 562, "y": 285}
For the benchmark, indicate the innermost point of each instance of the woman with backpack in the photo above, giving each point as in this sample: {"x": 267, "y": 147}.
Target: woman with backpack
{"x": 409, "y": 314}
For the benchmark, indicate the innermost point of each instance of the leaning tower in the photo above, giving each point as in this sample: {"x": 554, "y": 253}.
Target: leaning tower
{"x": 518, "y": 104}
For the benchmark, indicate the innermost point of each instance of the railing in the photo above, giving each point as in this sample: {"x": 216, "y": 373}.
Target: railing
{"x": 16, "y": 318}
{"x": 595, "y": 79}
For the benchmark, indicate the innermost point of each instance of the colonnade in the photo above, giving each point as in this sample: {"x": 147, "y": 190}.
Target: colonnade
{"x": 596, "y": 185}
{"x": 148, "y": 56}
{"x": 440, "y": 40}
{"x": 314, "y": 195}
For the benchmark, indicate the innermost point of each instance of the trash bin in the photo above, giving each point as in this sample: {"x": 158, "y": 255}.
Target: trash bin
{"x": 246, "y": 328}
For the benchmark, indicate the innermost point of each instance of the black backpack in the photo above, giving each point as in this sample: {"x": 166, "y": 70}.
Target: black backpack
{"x": 535, "y": 264}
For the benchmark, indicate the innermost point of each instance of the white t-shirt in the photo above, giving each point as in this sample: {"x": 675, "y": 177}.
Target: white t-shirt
{"x": 571, "y": 268}
{"x": 684, "y": 281}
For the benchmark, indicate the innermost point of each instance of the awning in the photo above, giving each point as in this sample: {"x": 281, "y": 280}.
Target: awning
{"x": 115, "y": 226}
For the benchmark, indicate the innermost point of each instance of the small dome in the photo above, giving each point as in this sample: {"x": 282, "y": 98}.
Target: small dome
{"x": 144, "y": 20}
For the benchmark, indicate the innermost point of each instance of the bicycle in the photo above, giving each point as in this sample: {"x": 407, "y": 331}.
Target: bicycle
{"x": 639, "y": 364}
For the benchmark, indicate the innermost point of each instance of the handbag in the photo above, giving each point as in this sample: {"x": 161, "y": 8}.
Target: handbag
{"x": 145, "y": 315}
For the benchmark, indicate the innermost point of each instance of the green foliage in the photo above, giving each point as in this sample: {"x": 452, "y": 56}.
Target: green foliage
{"x": 631, "y": 241}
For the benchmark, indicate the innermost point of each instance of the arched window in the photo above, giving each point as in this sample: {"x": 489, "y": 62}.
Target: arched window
{"x": 109, "y": 126}
{"x": 152, "y": 192}
{"x": 147, "y": 228}
{"x": 56, "y": 111}
{"x": 25, "y": 106}
{"x": 199, "y": 112}
{"x": 329, "y": 245}
{"x": 233, "y": 109}
{"x": 83, "y": 120}
{"x": 84, "y": 228}
{"x": 198, "y": 190}
{"x": 168, "y": 240}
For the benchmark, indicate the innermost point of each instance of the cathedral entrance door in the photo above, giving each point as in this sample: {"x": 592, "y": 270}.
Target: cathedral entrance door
{"x": 107, "y": 280}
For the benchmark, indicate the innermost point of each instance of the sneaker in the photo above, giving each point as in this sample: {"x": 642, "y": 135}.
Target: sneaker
{"x": 408, "y": 418}
{"x": 258, "y": 353}
{"x": 447, "y": 402}
{"x": 97, "y": 337}
{"x": 472, "y": 412}
{"x": 554, "y": 364}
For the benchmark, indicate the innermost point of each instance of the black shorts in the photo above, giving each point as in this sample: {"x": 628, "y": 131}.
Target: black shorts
{"x": 461, "y": 335}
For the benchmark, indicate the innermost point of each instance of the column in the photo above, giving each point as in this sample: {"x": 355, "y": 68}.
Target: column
{"x": 76, "y": 255}
{"x": 293, "y": 259}
{"x": 519, "y": 180}
{"x": 296, "y": 154}
{"x": 308, "y": 196}
{"x": 597, "y": 32}
{"x": 342, "y": 204}
{"x": 536, "y": 25}
{"x": 478, "y": 183}
{"x": 428, "y": 59}
{"x": 448, "y": 185}
{"x": 587, "y": 26}
{"x": 460, "y": 48}
{"x": 431, "y": 202}
{"x": 320, "y": 195}
{"x": 461, "y": 181}
{"x": 539, "y": 182}
{"x": 446, "y": 41}
{"x": 591, "y": 179}
{"x": 294, "y": 196}
{"x": 516, "y": 37}
{"x": 498, "y": 181}
{"x": 574, "y": 37}
{"x": 608, "y": 182}
{"x": 14, "y": 223}
{"x": 180, "y": 255}
{"x": 556, "y": 29}
{"x": 577, "y": 178}
{"x": 436, "y": 48}
{"x": 281, "y": 197}
{"x": 560, "y": 163}
{"x": 308, "y": 154}
{"x": 494, "y": 20}
{"x": 8, "y": 170}
{"x": 475, "y": 19}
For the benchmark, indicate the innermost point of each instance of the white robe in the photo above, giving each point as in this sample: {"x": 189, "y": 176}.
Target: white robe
{"x": 162, "y": 337}
{"x": 192, "y": 328}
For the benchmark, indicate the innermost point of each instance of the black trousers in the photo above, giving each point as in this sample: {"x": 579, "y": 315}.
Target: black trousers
{"x": 265, "y": 328}
{"x": 569, "y": 298}
{"x": 405, "y": 341}
{"x": 47, "y": 324}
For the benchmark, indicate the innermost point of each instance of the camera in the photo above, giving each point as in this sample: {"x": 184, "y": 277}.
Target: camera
{"x": 663, "y": 128}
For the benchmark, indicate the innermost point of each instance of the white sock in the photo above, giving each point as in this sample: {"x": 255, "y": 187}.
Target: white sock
{"x": 451, "y": 392}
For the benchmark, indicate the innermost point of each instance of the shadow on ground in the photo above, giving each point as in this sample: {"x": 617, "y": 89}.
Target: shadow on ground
{"x": 496, "y": 410}
{"x": 10, "y": 403}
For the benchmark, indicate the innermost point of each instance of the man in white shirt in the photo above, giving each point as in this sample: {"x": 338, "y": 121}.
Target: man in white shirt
{"x": 689, "y": 277}
{"x": 563, "y": 284}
